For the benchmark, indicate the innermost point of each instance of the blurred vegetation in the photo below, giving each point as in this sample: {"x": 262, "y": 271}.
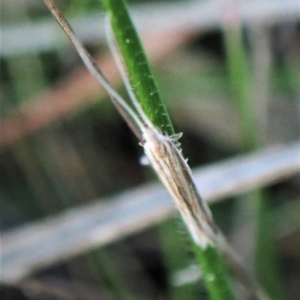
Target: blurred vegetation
{"x": 88, "y": 152}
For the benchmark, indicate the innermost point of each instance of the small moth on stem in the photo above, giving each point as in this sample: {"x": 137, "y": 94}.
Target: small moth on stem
{"x": 166, "y": 160}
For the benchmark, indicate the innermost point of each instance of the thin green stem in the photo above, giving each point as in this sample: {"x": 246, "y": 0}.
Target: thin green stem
{"x": 139, "y": 70}
{"x": 214, "y": 273}
{"x": 142, "y": 80}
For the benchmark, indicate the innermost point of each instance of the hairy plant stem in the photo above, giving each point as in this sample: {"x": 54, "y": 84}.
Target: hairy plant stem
{"x": 214, "y": 273}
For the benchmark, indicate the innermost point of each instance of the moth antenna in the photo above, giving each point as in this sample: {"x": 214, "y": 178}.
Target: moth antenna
{"x": 114, "y": 50}
{"x": 124, "y": 109}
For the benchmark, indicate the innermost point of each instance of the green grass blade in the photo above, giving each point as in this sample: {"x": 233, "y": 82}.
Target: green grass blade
{"x": 139, "y": 70}
{"x": 214, "y": 273}
{"x": 147, "y": 93}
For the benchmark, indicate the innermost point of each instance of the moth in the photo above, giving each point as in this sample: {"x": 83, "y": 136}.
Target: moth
{"x": 164, "y": 156}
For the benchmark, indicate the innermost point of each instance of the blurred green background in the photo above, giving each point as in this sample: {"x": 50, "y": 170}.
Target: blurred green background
{"x": 63, "y": 144}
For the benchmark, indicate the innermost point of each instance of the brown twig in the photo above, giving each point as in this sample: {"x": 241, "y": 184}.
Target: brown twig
{"x": 77, "y": 91}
